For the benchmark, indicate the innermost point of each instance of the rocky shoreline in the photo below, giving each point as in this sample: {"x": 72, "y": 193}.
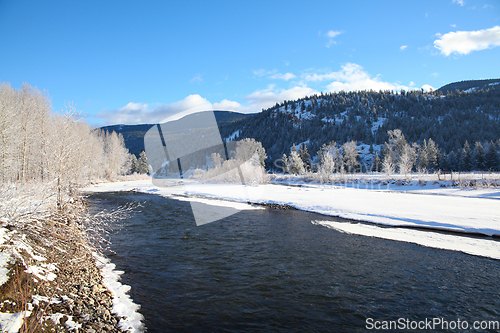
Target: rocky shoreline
{"x": 55, "y": 282}
{"x": 76, "y": 301}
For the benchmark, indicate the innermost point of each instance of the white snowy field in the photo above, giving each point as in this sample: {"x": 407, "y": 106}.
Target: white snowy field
{"x": 441, "y": 208}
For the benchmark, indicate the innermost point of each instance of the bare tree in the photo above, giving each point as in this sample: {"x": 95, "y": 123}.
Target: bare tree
{"x": 406, "y": 160}
{"x": 350, "y": 154}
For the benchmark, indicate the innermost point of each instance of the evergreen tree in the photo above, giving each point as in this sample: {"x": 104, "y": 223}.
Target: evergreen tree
{"x": 134, "y": 164}
{"x": 305, "y": 157}
{"x": 432, "y": 154}
{"x": 443, "y": 161}
{"x": 492, "y": 158}
{"x": 143, "y": 163}
{"x": 479, "y": 156}
{"x": 452, "y": 160}
{"x": 465, "y": 162}
{"x": 423, "y": 161}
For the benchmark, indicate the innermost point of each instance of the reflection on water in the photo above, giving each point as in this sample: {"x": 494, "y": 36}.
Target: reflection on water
{"x": 273, "y": 270}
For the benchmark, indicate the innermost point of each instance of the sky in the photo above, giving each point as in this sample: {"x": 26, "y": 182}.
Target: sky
{"x": 134, "y": 62}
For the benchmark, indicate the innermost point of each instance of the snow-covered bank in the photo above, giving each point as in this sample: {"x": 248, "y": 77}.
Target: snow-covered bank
{"x": 471, "y": 245}
{"x": 123, "y": 306}
{"x": 48, "y": 277}
{"x": 458, "y": 210}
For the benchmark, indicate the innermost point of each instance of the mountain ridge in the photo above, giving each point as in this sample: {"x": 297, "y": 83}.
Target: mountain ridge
{"x": 450, "y": 119}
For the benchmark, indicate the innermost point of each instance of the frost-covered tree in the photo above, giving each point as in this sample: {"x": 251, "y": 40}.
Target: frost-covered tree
{"x": 350, "y": 155}
{"x": 37, "y": 145}
{"x": 406, "y": 160}
{"x": 216, "y": 160}
{"x": 246, "y": 148}
{"x": 143, "y": 163}
{"x": 134, "y": 164}
{"x": 295, "y": 164}
{"x": 305, "y": 157}
{"x": 397, "y": 143}
{"x": 327, "y": 165}
{"x": 388, "y": 166}
{"x": 284, "y": 161}
{"x": 376, "y": 164}
{"x": 117, "y": 156}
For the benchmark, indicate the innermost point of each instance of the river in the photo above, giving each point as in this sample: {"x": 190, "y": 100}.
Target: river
{"x": 273, "y": 270}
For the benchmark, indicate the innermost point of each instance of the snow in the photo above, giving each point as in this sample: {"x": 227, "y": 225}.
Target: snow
{"x": 233, "y": 136}
{"x": 470, "y": 245}
{"x": 42, "y": 272}
{"x": 38, "y": 298}
{"x": 375, "y": 125}
{"x": 5, "y": 258}
{"x": 70, "y": 323}
{"x": 123, "y": 305}
{"x": 11, "y": 322}
{"x": 433, "y": 207}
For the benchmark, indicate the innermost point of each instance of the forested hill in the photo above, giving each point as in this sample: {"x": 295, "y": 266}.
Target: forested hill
{"x": 133, "y": 135}
{"x": 366, "y": 116}
{"x": 469, "y": 85}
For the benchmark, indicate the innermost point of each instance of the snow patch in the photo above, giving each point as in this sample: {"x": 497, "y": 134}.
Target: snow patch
{"x": 11, "y": 322}
{"x": 476, "y": 246}
{"x": 123, "y": 305}
{"x": 70, "y": 323}
{"x": 5, "y": 258}
{"x": 233, "y": 136}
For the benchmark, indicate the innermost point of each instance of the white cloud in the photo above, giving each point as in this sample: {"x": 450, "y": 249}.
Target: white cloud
{"x": 403, "y": 47}
{"x": 262, "y": 99}
{"x": 261, "y": 72}
{"x": 227, "y": 105}
{"x": 139, "y": 113}
{"x": 331, "y": 35}
{"x": 460, "y": 2}
{"x": 273, "y": 74}
{"x": 196, "y": 79}
{"x": 464, "y": 42}
{"x": 286, "y": 76}
{"x": 428, "y": 87}
{"x": 353, "y": 77}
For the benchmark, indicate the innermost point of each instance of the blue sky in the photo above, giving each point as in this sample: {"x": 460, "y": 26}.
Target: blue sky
{"x": 142, "y": 61}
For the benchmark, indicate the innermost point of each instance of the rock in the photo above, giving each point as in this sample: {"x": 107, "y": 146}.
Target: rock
{"x": 94, "y": 289}
{"x": 63, "y": 320}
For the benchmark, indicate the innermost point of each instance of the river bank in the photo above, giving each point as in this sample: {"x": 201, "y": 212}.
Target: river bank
{"x": 52, "y": 278}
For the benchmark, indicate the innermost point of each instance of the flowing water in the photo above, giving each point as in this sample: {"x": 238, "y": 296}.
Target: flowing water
{"x": 273, "y": 270}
